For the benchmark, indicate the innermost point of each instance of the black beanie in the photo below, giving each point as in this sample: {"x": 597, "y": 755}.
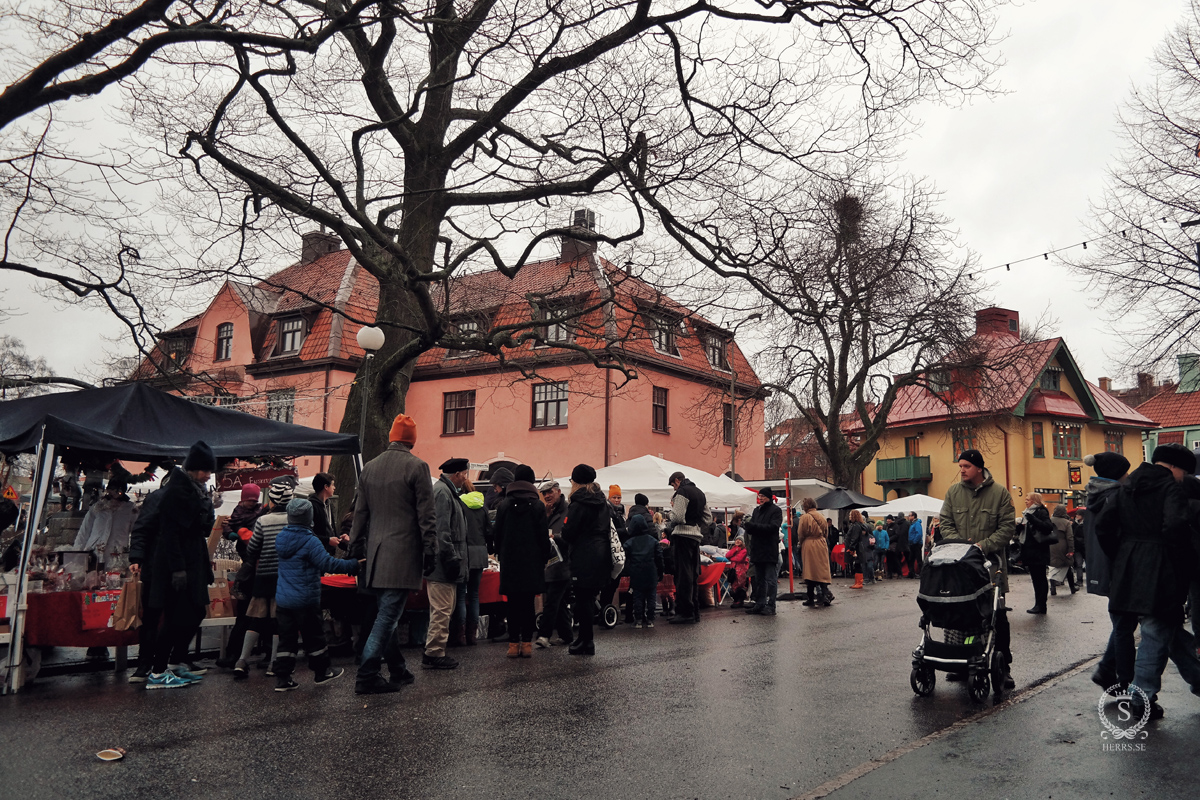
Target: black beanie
{"x": 1108, "y": 465}
{"x": 973, "y": 456}
{"x": 523, "y": 473}
{"x": 767, "y": 492}
{"x": 640, "y": 499}
{"x": 200, "y": 457}
{"x": 583, "y": 475}
{"x": 1176, "y": 455}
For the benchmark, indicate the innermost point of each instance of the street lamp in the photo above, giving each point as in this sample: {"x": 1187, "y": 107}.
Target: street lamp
{"x": 370, "y": 339}
{"x": 733, "y": 399}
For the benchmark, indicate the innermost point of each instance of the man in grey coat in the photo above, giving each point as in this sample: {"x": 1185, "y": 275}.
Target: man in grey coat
{"x": 445, "y": 561}
{"x": 393, "y": 519}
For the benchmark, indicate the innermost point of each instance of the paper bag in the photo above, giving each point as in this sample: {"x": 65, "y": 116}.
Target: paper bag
{"x": 220, "y": 605}
{"x": 127, "y": 611}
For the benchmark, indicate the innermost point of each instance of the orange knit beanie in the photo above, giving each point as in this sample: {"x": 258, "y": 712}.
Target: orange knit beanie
{"x": 403, "y": 430}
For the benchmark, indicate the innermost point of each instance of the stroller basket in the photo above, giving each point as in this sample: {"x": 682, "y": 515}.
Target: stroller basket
{"x": 956, "y": 588}
{"x": 939, "y": 652}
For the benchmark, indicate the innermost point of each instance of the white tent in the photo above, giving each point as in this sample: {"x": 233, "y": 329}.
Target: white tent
{"x": 648, "y": 475}
{"x": 923, "y": 504}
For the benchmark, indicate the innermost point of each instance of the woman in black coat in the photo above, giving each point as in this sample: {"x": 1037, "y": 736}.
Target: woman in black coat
{"x": 586, "y": 532}
{"x": 522, "y": 540}
{"x": 1035, "y": 555}
{"x": 763, "y": 532}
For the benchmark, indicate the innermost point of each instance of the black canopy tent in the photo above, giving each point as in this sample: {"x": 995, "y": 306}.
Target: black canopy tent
{"x": 137, "y": 422}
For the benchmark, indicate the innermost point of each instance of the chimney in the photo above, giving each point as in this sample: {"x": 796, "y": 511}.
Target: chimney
{"x": 1106, "y": 384}
{"x": 1145, "y": 383}
{"x": 315, "y": 244}
{"x": 997, "y": 322}
{"x": 584, "y": 221}
{"x": 1189, "y": 372}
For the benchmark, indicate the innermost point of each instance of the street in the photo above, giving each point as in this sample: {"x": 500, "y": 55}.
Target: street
{"x": 738, "y": 707}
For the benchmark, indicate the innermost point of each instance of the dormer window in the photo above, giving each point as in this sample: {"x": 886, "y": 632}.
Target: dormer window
{"x": 291, "y": 335}
{"x": 224, "y": 342}
{"x": 1050, "y": 380}
{"x": 663, "y": 330}
{"x": 466, "y": 328}
{"x": 556, "y": 328}
{"x": 717, "y": 349}
{"x": 939, "y": 381}
{"x": 176, "y": 352}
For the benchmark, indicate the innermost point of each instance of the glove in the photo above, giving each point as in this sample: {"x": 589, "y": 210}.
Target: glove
{"x": 430, "y": 565}
{"x": 179, "y": 580}
{"x": 452, "y": 569}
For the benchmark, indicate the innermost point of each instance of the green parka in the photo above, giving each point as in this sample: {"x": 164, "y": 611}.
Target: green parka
{"x": 982, "y": 514}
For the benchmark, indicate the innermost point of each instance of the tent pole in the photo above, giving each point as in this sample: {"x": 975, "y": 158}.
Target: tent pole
{"x": 43, "y": 474}
{"x": 787, "y": 493}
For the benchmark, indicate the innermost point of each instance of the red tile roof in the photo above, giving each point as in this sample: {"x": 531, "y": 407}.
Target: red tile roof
{"x": 1172, "y": 408}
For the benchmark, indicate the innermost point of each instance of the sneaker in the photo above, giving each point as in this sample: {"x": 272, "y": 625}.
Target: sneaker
{"x": 166, "y": 680}
{"x": 402, "y": 677}
{"x": 270, "y": 673}
{"x": 185, "y": 673}
{"x": 376, "y": 685}
{"x": 286, "y": 685}
{"x": 638, "y": 625}
{"x": 542, "y": 642}
{"x": 241, "y": 670}
{"x": 195, "y": 669}
{"x": 139, "y": 675}
{"x": 331, "y": 674}
{"x": 438, "y": 662}
{"x": 649, "y": 624}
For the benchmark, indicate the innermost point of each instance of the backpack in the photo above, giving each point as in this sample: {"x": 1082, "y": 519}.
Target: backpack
{"x": 871, "y": 539}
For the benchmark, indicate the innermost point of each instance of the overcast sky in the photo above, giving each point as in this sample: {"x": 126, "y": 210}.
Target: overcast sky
{"x": 1017, "y": 172}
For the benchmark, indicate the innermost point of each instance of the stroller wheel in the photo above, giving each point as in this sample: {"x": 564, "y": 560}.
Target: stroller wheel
{"x": 978, "y": 685}
{"x": 608, "y": 617}
{"x": 998, "y": 672}
{"x": 922, "y": 679}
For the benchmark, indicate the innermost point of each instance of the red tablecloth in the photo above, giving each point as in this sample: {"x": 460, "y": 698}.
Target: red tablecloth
{"x": 489, "y": 589}
{"x": 59, "y": 619}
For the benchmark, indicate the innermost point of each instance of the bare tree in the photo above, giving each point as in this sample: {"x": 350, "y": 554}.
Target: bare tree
{"x": 1143, "y": 263}
{"x": 874, "y": 297}
{"x": 436, "y": 140}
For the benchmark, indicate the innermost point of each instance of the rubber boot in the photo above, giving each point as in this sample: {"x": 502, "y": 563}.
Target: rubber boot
{"x": 810, "y": 601}
{"x": 858, "y": 584}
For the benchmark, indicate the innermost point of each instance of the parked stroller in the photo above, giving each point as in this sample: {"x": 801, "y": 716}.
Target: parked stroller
{"x": 957, "y": 594}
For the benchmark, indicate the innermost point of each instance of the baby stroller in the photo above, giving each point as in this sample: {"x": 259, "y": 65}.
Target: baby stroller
{"x": 957, "y": 595}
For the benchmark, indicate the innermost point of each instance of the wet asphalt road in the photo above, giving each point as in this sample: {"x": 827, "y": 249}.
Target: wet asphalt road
{"x": 741, "y": 707}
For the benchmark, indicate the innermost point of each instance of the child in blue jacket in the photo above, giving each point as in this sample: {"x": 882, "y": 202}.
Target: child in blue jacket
{"x": 302, "y": 562}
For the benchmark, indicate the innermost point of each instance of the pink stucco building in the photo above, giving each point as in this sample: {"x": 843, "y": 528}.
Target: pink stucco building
{"x": 283, "y": 349}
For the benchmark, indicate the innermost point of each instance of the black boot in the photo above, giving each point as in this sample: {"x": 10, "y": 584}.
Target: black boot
{"x": 809, "y": 601}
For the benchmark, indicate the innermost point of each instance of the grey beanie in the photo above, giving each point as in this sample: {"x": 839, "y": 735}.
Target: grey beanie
{"x": 300, "y": 512}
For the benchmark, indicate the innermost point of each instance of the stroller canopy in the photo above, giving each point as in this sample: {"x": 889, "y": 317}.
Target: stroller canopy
{"x": 956, "y": 587}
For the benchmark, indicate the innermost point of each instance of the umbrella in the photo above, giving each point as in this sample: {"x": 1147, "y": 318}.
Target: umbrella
{"x": 838, "y": 499}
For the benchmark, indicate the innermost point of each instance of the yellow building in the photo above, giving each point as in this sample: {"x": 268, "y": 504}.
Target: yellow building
{"x": 1030, "y": 412}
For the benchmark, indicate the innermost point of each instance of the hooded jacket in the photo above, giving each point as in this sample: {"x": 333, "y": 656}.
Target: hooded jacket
{"x": 586, "y": 532}
{"x": 1066, "y": 538}
{"x": 555, "y": 515}
{"x": 302, "y": 562}
{"x": 1151, "y": 566}
{"x": 762, "y": 531}
{"x": 916, "y": 532}
{"x": 643, "y": 558}
{"x": 522, "y": 540}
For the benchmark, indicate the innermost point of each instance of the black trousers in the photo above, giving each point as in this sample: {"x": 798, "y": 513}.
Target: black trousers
{"x": 181, "y": 619}
{"x": 914, "y": 560}
{"x": 1041, "y": 587}
{"x": 687, "y": 573}
{"x": 554, "y": 610}
{"x": 296, "y": 624}
{"x": 521, "y": 617}
{"x": 584, "y": 608}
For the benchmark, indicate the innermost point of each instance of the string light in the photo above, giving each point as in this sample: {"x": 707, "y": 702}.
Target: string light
{"x": 1124, "y": 234}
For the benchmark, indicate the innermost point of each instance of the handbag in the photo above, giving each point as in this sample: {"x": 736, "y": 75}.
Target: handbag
{"x": 618, "y": 552}
{"x": 1045, "y": 538}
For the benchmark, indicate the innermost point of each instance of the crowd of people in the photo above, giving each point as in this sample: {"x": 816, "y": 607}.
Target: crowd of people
{"x": 407, "y": 531}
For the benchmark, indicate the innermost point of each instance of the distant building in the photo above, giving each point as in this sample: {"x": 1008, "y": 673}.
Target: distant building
{"x": 1176, "y": 408}
{"x": 1145, "y": 389}
{"x": 278, "y": 349}
{"x": 1033, "y": 417}
{"x": 792, "y": 448}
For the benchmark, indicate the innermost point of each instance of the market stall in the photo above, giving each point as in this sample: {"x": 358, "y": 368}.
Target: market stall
{"x": 648, "y": 475}
{"x": 135, "y": 422}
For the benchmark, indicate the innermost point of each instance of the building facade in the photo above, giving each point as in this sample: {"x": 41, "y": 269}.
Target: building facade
{"x": 680, "y": 388}
{"x": 1031, "y": 413}
{"x": 1176, "y": 409}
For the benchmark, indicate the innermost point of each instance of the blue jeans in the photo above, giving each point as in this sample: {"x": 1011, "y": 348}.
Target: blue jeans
{"x": 1162, "y": 640}
{"x": 1117, "y": 662}
{"x": 644, "y": 600}
{"x": 381, "y": 641}
{"x": 466, "y": 604}
{"x": 766, "y": 584}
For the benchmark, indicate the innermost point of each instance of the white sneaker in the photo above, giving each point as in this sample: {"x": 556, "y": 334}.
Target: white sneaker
{"x": 649, "y": 624}
{"x": 637, "y": 625}
{"x": 542, "y": 642}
